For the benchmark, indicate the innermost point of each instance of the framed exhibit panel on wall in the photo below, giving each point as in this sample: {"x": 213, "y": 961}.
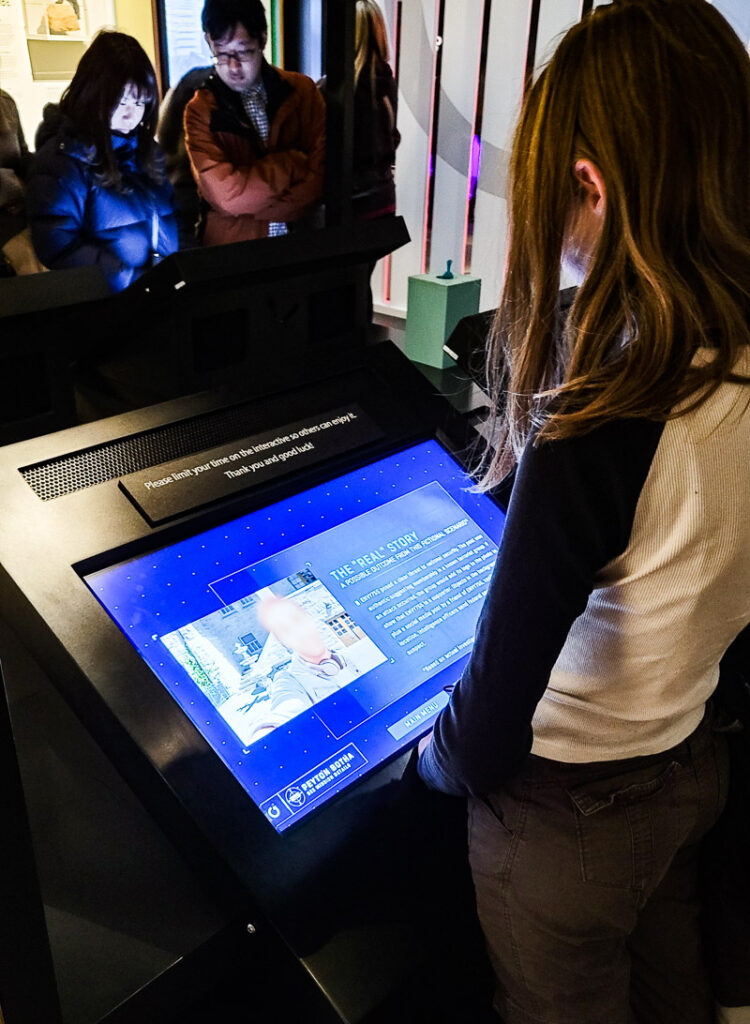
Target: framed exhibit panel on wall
{"x": 41, "y": 42}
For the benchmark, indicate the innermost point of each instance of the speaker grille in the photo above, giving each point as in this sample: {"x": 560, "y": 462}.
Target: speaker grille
{"x": 78, "y": 470}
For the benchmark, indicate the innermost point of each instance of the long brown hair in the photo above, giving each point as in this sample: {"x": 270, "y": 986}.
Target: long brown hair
{"x": 113, "y": 61}
{"x": 656, "y": 93}
{"x": 370, "y": 39}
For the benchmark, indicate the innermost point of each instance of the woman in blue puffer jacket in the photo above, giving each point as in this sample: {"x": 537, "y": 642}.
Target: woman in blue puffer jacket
{"x": 98, "y": 194}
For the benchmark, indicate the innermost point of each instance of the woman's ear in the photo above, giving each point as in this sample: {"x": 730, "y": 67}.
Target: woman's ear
{"x": 590, "y": 179}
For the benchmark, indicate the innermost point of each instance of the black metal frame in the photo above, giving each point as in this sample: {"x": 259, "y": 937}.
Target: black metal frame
{"x": 159, "y": 15}
{"x": 28, "y": 991}
{"x": 339, "y": 21}
{"x": 478, "y": 120}
{"x": 531, "y": 44}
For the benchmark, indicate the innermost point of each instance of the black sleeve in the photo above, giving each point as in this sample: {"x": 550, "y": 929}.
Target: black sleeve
{"x": 170, "y": 132}
{"x": 570, "y": 513}
{"x": 23, "y": 171}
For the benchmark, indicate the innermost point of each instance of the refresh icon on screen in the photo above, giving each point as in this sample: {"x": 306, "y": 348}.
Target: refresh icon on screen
{"x": 273, "y": 812}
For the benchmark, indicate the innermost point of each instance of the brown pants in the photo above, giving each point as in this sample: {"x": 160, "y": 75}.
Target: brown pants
{"x": 586, "y": 885}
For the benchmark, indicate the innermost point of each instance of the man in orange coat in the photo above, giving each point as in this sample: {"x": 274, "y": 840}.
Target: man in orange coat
{"x": 255, "y": 134}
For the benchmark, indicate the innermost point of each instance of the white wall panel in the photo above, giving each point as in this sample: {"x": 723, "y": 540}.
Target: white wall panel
{"x": 737, "y": 13}
{"x": 502, "y": 98}
{"x": 462, "y": 38}
{"x": 416, "y": 75}
{"x": 411, "y": 170}
{"x": 449, "y": 217}
{"x": 503, "y": 89}
{"x": 490, "y": 246}
{"x": 555, "y": 18}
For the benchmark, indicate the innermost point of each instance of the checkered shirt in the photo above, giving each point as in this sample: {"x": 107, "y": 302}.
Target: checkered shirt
{"x": 254, "y": 101}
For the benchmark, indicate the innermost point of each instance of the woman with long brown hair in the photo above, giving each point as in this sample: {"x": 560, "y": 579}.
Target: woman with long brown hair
{"x": 582, "y": 729}
{"x": 376, "y": 137}
{"x": 98, "y": 193}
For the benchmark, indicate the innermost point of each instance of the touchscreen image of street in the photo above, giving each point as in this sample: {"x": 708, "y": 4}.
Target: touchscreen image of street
{"x": 268, "y": 657}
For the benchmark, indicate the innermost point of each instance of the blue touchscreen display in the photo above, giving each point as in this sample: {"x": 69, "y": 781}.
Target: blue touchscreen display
{"x": 314, "y": 639}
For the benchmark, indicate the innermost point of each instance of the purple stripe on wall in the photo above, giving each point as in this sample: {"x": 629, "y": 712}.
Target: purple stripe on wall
{"x": 434, "y": 121}
{"x": 476, "y": 141}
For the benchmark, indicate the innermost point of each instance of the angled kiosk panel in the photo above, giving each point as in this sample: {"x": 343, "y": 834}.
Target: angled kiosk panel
{"x": 257, "y": 608}
{"x": 201, "y": 318}
{"x": 28, "y": 990}
{"x": 214, "y": 316}
{"x": 43, "y": 319}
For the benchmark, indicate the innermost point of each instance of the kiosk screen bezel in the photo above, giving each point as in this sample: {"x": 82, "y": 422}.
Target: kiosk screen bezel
{"x": 438, "y": 482}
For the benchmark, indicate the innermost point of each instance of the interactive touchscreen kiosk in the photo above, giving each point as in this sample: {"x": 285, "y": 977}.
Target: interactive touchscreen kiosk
{"x": 257, "y": 604}
{"x": 316, "y": 638}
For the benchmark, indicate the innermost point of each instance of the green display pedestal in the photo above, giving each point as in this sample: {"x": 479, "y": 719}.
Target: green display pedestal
{"x": 434, "y": 307}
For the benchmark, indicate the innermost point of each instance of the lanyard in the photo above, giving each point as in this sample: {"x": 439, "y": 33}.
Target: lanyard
{"x": 155, "y": 232}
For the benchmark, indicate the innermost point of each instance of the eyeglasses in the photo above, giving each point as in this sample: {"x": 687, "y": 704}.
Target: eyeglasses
{"x": 223, "y": 60}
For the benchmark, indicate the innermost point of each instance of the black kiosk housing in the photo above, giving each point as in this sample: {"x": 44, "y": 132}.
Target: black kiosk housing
{"x": 371, "y": 894}
{"x": 201, "y": 318}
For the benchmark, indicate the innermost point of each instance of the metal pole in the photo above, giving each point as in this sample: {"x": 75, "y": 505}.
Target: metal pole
{"x": 531, "y": 44}
{"x": 339, "y": 40}
{"x": 429, "y": 205}
{"x": 159, "y": 17}
{"x": 476, "y": 139}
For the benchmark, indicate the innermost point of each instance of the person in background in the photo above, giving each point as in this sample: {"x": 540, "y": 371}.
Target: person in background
{"x": 171, "y": 138}
{"x": 15, "y": 243}
{"x": 98, "y": 194}
{"x": 584, "y": 729}
{"x": 376, "y": 137}
{"x": 255, "y": 134}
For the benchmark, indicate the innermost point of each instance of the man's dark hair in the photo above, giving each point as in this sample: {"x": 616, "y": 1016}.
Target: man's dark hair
{"x": 221, "y": 17}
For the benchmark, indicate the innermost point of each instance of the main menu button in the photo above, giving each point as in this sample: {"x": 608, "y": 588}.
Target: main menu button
{"x": 418, "y": 716}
